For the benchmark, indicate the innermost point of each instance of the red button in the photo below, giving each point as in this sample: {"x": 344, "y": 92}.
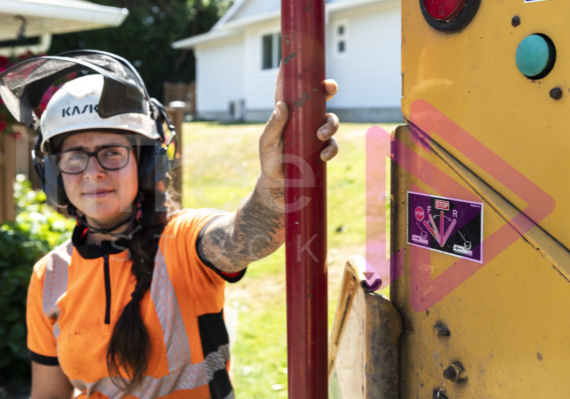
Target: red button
{"x": 444, "y": 10}
{"x": 419, "y": 213}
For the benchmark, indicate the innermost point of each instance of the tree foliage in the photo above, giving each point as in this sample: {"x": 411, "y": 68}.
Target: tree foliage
{"x": 146, "y": 35}
{"x": 37, "y": 230}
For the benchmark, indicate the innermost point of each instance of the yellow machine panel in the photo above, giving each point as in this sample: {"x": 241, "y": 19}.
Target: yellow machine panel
{"x": 503, "y": 332}
{"x": 472, "y": 77}
{"x": 486, "y": 88}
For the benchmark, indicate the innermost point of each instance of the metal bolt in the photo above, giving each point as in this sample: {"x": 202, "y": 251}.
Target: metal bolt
{"x": 438, "y": 394}
{"x": 450, "y": 373}
{"x": 516, "y": 21}
{"x": 441, "y": 330}
{"x": 556, "y": 93}
{"x": 455, "y": 372}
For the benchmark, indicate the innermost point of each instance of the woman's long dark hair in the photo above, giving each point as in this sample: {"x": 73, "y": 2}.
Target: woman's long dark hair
{"x": 129, "y": 348}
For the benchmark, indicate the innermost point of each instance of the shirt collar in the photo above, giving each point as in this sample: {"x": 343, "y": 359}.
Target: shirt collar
{"x": 94, "y": 251}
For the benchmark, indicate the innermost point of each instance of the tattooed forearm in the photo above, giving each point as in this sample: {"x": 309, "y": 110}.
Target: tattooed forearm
{"x": 256, "y": 230}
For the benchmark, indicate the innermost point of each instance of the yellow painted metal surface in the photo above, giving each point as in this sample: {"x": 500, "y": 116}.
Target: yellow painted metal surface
{"x": 472, "y": 77}
{"x": 509, "y": 322}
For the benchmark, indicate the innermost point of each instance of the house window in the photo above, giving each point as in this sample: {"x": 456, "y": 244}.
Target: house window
{"x": 270, "y": 51}
{"x": 232, "y": 110}
{"x": 341, "y": 38}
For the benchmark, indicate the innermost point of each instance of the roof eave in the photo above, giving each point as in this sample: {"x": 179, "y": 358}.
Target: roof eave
{"x": 345, "y": 5}
{"x": 230, "y": 28}
{"x": 230, "y": 13}
{"x": 241, "y": 23}
{"x": 191, "y": 42}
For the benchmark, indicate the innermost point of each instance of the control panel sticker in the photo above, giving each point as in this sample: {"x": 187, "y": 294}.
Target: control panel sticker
{"x": 446, "y": 225}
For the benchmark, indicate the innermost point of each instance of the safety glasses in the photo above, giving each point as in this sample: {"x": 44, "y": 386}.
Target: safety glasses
{"x": 73, "y": 162}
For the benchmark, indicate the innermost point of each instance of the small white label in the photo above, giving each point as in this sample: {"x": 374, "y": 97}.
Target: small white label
{"x": 419, "y": 239}
{"x": 462, "y": 250}
{"x": 532, "y": 1}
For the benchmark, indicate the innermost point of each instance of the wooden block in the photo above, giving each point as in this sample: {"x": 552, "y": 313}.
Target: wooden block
{"x": 363, "y": 349}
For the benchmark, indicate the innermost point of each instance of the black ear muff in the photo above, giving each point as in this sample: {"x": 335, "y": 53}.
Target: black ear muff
{"x": 163, "y": 167}
{"x": 39, "y": 168}
{"x": 52, "y": 183}
{"x": 154, "y": 168}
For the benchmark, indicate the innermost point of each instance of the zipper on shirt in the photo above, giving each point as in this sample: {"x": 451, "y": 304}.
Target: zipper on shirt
{"x": 107, "y": 290}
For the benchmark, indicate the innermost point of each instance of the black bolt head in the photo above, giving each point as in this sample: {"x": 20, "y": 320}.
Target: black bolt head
{"x": 438, "y": 394}
{"x": 441, "y": 330}
{"x": 516, "y": 21}
{"x": 556, "y": 93}
{"x": 450, "y": 373}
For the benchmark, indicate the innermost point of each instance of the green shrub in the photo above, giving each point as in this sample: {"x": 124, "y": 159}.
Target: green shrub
{"x": 37, "y": 229}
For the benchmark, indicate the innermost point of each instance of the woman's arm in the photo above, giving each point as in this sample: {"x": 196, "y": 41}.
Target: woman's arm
{"x": 49, "y": 382}
{"x": 257, "y": 229}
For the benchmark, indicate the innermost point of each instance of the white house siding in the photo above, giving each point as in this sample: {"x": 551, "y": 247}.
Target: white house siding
{"x": 255, "y": 7}
{"x": 373, "y": 51}
{"x": 219, "y": 77}
{"x": 368, "y": 73}
{"x": 259, "y": 84}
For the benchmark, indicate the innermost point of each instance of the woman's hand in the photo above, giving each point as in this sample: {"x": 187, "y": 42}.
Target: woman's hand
{"x": 271, "y": 141}
{"x": 257, "y": 229}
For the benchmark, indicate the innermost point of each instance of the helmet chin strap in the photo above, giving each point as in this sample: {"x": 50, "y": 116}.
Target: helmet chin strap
{"x": 136, "y": 218}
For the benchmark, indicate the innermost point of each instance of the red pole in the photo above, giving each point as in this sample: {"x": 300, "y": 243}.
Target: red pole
{"x": 303, "y": 47}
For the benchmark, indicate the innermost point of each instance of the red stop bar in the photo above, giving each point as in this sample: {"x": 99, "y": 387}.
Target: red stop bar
{"x": 303, "y": 48}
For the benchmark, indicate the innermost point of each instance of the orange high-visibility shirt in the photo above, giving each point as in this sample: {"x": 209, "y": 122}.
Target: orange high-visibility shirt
{"x": 78, "y": 292}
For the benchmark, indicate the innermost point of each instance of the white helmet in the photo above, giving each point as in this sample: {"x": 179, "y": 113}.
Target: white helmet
{"x": 74, "y": 107}
{"x": 113, "y": 99}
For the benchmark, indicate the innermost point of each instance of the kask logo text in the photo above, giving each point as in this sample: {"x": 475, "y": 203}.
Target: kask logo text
{"x": 69, "y": 111}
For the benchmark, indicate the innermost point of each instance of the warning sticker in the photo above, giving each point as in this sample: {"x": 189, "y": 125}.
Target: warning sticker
{"x": 446, "y": 225}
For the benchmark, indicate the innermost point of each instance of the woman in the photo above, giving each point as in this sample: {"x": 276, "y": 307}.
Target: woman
{"x": 132, "y": 305}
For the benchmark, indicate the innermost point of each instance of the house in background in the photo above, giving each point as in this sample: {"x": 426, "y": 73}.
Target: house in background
{"x": 237, "y": 61}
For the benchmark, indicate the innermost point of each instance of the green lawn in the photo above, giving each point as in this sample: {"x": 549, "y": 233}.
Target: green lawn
{"x": 221, "y": 167}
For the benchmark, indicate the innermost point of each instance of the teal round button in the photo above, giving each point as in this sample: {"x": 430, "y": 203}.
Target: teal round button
{"x": 535, "y": 56}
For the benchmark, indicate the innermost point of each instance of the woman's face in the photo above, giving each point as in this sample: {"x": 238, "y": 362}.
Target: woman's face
{"x": 105, "y": 196}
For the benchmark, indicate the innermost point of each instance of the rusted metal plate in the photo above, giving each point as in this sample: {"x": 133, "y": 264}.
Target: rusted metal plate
{"x": 363, "y": 348}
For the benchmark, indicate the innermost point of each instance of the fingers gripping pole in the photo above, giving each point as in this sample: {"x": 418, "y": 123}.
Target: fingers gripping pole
{"x": 303, "y": 48}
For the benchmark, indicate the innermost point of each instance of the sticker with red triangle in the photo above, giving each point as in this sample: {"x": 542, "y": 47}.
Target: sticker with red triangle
{"x": 460, "y": 231}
